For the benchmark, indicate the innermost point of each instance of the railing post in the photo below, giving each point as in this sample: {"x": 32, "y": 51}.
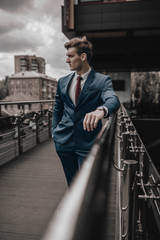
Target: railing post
{"x": 50, "y": 123}
{"x": 19, "y": 135}
{"x": 128, "y": 178}
{"x": 36, "y": 122}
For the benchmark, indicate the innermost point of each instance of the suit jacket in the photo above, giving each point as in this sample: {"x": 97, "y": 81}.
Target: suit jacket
{"x": 67, "y": 122}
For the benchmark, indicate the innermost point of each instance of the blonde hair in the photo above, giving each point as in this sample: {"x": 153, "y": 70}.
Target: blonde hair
{"x": 82, "y": 45}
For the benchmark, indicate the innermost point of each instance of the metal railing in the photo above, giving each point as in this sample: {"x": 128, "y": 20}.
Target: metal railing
{"x": 21, "y": 132}
{"x": 140, "y": 188}
{"x": 84, "y": 212}
{"x": 22, "y": 104}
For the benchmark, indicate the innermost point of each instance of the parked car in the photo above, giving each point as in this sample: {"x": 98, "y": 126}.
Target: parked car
{"x": 26, "y": 121}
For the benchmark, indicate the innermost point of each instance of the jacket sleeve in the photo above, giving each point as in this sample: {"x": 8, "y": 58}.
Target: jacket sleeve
{"x": 58, "y": 109}
{"x": 109, "y": 98}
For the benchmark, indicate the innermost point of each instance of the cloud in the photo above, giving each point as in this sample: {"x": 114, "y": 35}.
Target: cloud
{"x": 9, "y": 26}
{"x": 32, "y": 27}
{"x": 7, "y": 65}
{"x": 51, "y": 8}
{"x": 18, "y": 41}
{"x": 9, "y": 22}
{"x": 16, "y": 5}
{"x": 27, "y": 28}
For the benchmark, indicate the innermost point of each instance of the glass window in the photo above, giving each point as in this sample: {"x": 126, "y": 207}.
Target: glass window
{"x": 12, "y": 81}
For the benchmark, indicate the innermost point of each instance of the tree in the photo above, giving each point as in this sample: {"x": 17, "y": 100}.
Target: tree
{"x": 4, "y": 88}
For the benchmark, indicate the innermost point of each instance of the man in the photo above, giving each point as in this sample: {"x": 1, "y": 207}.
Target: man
{"x": 83, "y": 98}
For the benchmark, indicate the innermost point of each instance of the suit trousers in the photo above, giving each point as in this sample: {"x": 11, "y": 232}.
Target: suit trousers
{"x": 71, "y": 162}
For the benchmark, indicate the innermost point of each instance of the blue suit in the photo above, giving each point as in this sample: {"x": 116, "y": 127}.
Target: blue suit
{"x": 67, "y": 123}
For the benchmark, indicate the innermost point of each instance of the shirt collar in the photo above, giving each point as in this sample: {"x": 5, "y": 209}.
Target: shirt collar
{"x": 84, "y": 75}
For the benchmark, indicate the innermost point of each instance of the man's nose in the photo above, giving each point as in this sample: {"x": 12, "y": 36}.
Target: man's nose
{"x": 67, "y": 60}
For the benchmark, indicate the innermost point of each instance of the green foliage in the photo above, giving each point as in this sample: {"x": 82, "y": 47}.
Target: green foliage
{"x": 4, "y": 88}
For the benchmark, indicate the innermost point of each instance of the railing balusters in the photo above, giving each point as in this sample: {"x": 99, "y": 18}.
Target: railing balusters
{"x": 23, "y": 137}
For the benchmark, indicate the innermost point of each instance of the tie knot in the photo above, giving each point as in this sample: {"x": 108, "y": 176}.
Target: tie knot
{"x": 79, "y": 78}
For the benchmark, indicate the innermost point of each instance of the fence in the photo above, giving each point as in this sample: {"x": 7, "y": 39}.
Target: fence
{"x": 19, "y": 133}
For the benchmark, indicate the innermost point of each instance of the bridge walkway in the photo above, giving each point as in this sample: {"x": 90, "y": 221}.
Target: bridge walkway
{"x": 31, "y": 187}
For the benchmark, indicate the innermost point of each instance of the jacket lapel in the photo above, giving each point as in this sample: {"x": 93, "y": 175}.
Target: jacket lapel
{"x": 68, "y": 81}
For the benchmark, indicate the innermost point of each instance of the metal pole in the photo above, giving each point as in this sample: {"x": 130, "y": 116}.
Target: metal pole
{"x": 19, "y": 135}
{"x": 128, "y": 177}
{"x": 50, "y": 123}
{"x": 36, "y": 121}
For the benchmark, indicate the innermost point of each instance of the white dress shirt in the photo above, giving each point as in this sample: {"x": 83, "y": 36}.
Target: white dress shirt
{"x": 72, "y": 87}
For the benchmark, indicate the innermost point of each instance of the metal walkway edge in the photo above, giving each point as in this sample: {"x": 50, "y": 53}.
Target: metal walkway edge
{"x": 31, "y": 187}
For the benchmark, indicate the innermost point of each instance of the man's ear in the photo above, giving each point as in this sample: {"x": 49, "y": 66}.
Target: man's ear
{"x": 84, "y": 57}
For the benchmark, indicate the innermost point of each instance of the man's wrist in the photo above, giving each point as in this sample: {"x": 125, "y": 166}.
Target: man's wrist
{"x": 104, "y": 109}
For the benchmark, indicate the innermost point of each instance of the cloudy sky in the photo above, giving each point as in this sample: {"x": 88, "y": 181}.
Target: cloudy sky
{"x": 32, "y": 27}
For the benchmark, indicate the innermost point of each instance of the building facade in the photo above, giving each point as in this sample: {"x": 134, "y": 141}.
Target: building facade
{"x": 33, "y": 84}
{"x": 29, "y": 63}
{"x": 29, "y": 86}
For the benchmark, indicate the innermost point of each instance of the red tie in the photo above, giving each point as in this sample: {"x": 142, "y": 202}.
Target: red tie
{"x": 78, "y": 88}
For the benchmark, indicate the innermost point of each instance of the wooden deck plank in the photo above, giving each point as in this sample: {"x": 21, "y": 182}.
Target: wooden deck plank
{"x": 31, "y": 187}
{"x": 110, "y": 232}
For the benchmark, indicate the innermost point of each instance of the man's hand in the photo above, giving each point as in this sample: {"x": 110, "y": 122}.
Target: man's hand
{"x": 91, "y": 119}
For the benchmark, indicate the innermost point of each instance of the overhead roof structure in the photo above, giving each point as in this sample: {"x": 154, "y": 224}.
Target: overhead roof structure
{"x": 125, "y": 34}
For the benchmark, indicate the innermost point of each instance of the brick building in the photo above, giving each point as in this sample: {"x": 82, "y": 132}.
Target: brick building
{"x": 33, "y": 84}
{"x": 29, "y": 63}
{"x": 29, "y": 86}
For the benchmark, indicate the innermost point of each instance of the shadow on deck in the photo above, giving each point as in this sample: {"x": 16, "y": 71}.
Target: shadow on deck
{"x": 31, "y": 187}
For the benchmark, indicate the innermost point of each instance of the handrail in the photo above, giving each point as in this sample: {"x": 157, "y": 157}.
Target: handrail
{"x": 74, "y": 210}
{"x": 25, "y": 102}
{"x": 139, "y": 192}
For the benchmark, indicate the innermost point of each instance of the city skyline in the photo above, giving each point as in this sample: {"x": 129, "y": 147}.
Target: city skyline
{"x": 32, "y": 27}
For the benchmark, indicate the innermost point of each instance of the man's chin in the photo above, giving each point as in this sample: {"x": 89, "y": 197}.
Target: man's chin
{"x": 72, "y": 69}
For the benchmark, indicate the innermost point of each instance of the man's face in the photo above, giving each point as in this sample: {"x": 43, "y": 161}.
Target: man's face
{"x": 74, "y": 60}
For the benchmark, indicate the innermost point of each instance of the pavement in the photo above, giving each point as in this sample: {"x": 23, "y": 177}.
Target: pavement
{"x": 31, "y": 186}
